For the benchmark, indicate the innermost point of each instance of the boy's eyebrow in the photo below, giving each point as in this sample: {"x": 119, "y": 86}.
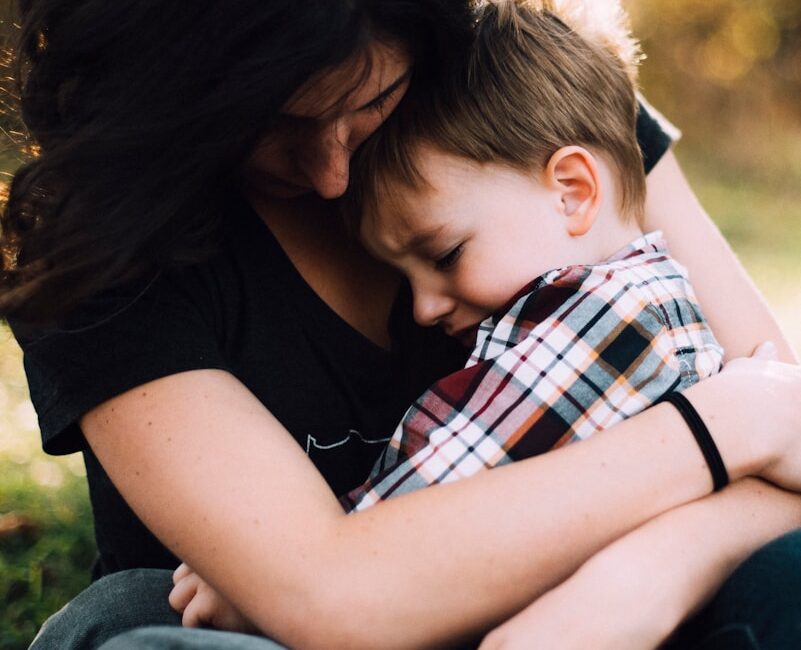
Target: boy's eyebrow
{"x": 387, "y": 91}
{"x": 421, "y": 237}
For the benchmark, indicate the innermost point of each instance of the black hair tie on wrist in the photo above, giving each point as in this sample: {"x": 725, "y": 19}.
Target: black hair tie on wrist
{"x": 720, "y": 477}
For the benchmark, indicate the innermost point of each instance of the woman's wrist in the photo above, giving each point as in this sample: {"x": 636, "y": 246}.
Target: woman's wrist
{"x": 717, "y": 468}
{"x": 749, "y": 412}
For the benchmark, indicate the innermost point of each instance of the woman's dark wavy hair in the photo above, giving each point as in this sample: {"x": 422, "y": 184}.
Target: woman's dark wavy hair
{"x": 144, "y": 113}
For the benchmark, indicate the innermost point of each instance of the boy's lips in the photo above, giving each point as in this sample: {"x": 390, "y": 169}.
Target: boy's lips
{"x": 465, "y": 335}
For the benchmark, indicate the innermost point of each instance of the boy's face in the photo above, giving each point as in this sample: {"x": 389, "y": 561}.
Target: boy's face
{"x": 471, "y": 241}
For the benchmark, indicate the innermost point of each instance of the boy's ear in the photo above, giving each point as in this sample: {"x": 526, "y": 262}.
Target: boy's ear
{"x": 573, "y": 171}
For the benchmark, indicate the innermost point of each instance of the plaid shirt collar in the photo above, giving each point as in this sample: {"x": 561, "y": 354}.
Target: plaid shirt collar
{"x": 652, "y": 242}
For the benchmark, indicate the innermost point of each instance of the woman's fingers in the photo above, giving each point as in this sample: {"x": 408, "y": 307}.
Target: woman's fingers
{"x": 184, "y": 592}
{"x": 766, "y": 351}
{"x": 181, "y": 572}
{"x": 196, "y": 613}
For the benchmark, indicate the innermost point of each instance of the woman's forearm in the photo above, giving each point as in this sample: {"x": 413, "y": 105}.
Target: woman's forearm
{"x": 734, "y": 307}
{"x": 681, "y": 558}
{"x": 635, "y": 592}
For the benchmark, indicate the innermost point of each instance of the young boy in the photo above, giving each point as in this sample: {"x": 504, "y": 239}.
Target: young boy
{"x": 511, "y": 201}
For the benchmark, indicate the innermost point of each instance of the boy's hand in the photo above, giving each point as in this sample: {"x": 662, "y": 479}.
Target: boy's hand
{"x": 202, "y": 606}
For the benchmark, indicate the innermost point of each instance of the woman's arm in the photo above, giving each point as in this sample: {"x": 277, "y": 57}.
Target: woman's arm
{"x": 635, "y": 592}
{"x": 226, "y": 488}
{"x": 737, "y": 312}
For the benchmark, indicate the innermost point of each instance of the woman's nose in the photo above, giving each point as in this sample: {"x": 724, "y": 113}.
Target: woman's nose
{"x": 327, "y": 160}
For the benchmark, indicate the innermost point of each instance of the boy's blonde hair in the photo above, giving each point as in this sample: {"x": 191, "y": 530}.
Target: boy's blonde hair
{"x": 539, "y": 75}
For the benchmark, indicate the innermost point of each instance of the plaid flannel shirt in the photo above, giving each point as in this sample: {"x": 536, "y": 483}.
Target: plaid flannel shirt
{"x": 580, "y": 349}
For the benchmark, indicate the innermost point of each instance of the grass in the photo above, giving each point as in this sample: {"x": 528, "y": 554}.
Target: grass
{"x": 758, "y": 208}
{"x": 46, "y": 539}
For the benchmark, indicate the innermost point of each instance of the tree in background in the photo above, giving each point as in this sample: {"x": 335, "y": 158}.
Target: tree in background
{"x": 727, "y": 71}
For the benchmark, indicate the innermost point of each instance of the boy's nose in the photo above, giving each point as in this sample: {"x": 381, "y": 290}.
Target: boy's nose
{"x": 430, "y": 307}
{"x": 326, "y": 162}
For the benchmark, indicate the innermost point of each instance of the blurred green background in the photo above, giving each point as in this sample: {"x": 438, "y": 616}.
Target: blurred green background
{"x": 726, "y": 72}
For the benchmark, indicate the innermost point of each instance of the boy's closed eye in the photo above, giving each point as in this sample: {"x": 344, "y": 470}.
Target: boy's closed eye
{"x": 450, "y": 258}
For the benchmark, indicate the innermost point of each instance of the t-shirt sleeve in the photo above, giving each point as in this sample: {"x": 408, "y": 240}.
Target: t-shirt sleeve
{"x": 655, "y": 134}
{"x": 113, "y": 343}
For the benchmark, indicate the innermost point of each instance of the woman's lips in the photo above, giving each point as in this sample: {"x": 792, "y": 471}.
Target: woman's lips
{"x": 286, "y": 189}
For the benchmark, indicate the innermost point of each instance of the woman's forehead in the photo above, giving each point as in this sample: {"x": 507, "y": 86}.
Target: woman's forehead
{"x": 354, "y": 84}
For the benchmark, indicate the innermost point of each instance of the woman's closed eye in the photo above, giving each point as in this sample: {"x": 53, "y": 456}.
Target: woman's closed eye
{"x": 450, "y": 258}
{"x": 378, "y": 104}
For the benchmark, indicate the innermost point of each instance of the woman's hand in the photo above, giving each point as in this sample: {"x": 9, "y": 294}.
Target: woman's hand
{"x": 202, "y": 606}
{"x": 779, "y": 394}
{"x": 753, "y": 411}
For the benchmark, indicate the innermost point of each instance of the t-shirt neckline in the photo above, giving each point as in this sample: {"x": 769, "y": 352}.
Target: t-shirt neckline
{"x": 306, "y": 301}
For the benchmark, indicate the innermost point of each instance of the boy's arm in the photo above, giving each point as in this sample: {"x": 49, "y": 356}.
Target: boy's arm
{"x": 635, "y": 592}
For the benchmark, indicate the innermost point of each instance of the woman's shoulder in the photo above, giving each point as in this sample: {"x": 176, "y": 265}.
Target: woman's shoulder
{"x": 178, "y": 319}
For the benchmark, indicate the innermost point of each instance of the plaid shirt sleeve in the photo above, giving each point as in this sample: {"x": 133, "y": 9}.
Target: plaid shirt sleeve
{"x": 587, "y": 348}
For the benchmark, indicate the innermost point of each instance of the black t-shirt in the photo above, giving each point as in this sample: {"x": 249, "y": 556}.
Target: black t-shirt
{"x": 247, "y": 311}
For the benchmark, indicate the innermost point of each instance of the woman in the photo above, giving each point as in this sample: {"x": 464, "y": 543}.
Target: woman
{"x": 173, "y": 372}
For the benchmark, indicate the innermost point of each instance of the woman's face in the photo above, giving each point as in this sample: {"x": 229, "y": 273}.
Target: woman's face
{"x": 319, "y": 128}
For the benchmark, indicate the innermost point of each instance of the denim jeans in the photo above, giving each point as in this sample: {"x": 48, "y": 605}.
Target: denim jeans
{"x": 129, "y": 610}
{"x": 758, "y": 608}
